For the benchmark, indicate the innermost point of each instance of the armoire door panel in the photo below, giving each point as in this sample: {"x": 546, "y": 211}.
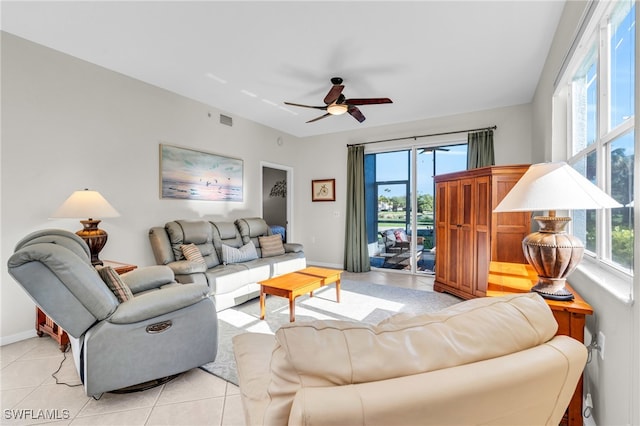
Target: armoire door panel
{"x": 452, "y": 254}
{"x": 468, "y": 234}
{"x": 453, "y": 207}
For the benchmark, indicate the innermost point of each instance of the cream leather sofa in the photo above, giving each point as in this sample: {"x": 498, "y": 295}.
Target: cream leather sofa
{"x": 483, "y": 361}
{"x": 230, "y": 284}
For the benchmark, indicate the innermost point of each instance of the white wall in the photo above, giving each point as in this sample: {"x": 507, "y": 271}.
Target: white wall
{"x": 68, "y": 125}
{"x": 613, "y": 381}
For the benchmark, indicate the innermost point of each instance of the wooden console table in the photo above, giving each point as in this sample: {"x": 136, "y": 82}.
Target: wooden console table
{"x": 45, "y": 325}
{"x": 508, "y": 278}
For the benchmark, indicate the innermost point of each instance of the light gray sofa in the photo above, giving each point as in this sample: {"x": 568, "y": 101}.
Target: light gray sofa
{"x": 230, "y": 284}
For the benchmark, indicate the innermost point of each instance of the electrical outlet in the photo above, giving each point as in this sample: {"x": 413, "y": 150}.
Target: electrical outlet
{"x": 588, "y": 402}
{"x": 601, "y": 344}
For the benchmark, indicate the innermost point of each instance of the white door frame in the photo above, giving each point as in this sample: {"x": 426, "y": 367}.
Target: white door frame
{"x": 289, "y": 170}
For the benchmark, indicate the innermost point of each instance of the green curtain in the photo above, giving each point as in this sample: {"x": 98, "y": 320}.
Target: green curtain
{"x": 356, "y": 253}
{"x": 480, "y": 149}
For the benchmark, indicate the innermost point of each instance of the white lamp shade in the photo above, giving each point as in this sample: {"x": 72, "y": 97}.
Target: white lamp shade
{"x": 85, "y": 204}
{"x": 554, "y": 186}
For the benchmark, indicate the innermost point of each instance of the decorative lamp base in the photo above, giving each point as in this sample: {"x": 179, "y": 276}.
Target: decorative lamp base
{"x": 551, "y": 292}
{"x": 94, "y": 237}
{"x": 553, "y": 254}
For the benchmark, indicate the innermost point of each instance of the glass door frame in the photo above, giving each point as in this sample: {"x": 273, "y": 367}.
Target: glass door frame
{"x": 412, "y": 192}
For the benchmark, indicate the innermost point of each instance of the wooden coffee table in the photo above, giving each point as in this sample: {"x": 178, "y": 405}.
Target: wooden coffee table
{"x": 328, "y": 276}
{"x": 295, "y": 284}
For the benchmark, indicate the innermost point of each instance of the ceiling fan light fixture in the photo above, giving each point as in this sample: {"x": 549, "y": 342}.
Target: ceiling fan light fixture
{"x": 337, "y": 109}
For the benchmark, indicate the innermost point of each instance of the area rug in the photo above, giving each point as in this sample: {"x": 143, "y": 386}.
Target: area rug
{"x": 359, "y": 301}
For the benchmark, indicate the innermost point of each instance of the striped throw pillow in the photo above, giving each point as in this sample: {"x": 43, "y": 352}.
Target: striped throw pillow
{"x": 119, "y": 288}
{"x": 243, "y": 254}
{"x": 271, "y": 245}
{"x": 192, "y": 253}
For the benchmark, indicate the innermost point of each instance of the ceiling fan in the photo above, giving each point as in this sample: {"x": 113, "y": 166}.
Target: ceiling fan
{"x": 337, "y": 104}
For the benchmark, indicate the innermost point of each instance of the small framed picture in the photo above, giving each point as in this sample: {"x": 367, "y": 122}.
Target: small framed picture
{"x": 323, "y": 190}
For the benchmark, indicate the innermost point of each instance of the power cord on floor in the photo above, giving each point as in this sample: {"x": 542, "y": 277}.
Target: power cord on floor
{"x": 58, "y": 382}
{"x": 588, "y": 402}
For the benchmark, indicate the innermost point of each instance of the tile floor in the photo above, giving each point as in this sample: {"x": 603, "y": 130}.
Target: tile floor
{"x": 194, "y": 398}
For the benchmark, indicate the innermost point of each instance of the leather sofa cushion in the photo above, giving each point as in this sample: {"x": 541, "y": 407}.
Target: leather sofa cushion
{"x": 199, "y": 233}
{"x": 251, "y": 229}
{"x": 476, "y": 330}
{"x": 225, "y": 233}
{"x": 226, "y": 230}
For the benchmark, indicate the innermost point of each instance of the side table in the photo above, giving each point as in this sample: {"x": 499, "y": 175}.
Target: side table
{"x": 45, "y": 325}
{"x": 119, "y": 267}
{"x": 508, "y": 278}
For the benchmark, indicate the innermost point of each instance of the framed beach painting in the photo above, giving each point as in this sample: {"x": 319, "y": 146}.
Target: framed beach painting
{"x": 187, "y": 174}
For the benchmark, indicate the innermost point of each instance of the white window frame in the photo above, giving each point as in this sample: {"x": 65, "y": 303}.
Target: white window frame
{"x": 598, "y": 31}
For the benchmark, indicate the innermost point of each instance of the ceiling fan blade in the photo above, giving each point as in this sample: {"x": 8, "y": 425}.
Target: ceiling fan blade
{"x": 306, "y": 106}
{"x": 355, "y": 113}
{"x": 368, "y": 101}
{"x": 319, "y": 118}
{"x": 333, "y": 94}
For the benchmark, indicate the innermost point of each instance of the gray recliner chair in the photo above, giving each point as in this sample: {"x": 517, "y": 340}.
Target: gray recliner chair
{"x": 165, "y": 329}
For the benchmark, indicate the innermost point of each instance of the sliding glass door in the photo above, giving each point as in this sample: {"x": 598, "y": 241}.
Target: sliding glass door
{"x": 400, "y": 204}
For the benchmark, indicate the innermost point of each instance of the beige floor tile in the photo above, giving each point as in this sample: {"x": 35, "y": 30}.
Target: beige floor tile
{"x": 14, "y": 351}
{"x": 44, "y": 347}
{"x": 397, "y": 279}
{"x": 112, "y": 402}
{"x": 129, "y": 418}
{"x": 233, "y": 414}
{"x": 62, "y": 401}
{"x": 28, "y": 373}
{"x": 193, "y": 385}
{"x": 191, "y": 413}
{"x": 232, "y": 389}
{"x": 67, "y": 374}
{"x": 38, "y": 418}
{"x": 11, "y": 397}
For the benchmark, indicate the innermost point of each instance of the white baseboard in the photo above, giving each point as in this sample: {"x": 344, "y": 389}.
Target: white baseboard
{"x": 325, "y": 265}
{"x": 7, "y": 340}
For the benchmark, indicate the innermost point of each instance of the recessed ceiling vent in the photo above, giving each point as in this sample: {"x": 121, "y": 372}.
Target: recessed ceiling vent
{"x": 226, "y": 120}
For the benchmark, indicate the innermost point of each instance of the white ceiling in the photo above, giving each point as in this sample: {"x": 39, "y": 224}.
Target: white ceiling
{"x": 432, "y": 58}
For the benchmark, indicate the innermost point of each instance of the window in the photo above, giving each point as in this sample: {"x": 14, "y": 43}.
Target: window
{"x": 601, "y": 129}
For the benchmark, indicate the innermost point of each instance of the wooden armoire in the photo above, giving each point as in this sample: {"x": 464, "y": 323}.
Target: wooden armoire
{"x": 469, "y": 235}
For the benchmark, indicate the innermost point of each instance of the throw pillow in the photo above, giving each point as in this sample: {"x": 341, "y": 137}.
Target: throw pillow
{"x": 243, "y": 254}
{"x": 119, "y": 288}
{"x": 192, "y": 253}
{"x": 401, "y": 236}
{"x": 271, "y": 245}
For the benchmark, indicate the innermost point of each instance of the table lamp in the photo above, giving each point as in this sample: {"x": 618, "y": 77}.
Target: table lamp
{"x": 89, "y": 204}
{"x": 552, "y": 252}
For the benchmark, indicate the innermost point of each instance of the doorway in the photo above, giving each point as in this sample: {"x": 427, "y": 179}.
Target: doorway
{"x": 276, "y": 187}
